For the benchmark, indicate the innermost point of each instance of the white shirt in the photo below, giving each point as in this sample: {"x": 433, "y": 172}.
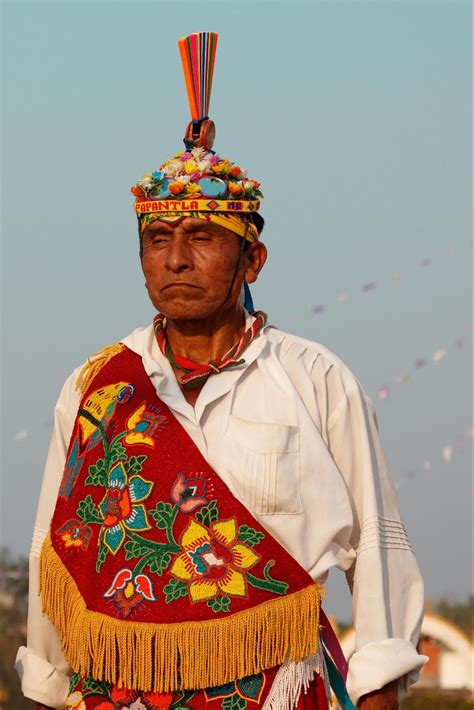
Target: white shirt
{"x": 295, "y": 439}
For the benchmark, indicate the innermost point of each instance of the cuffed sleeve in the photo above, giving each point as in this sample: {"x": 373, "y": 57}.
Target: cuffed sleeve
{"x": 387, "y": 588}
{"x": 40, "y": 680}
{"x": 43, "y": 671}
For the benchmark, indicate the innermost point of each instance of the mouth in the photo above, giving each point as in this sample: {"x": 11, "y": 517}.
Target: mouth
{"x": 179, "y": 284}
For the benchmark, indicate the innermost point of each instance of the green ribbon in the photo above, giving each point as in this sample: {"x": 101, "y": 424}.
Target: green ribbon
{"x": 337, "y": 684}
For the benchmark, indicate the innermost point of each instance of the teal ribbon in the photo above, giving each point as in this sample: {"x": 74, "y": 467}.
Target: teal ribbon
{"x": 337, "y": 684}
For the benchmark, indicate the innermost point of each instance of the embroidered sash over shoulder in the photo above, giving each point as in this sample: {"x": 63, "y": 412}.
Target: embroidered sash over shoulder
{"x": 155, "y": 576}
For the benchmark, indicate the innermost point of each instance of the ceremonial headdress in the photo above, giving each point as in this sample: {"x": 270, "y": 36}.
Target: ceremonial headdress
{"x": 197, "y": 182}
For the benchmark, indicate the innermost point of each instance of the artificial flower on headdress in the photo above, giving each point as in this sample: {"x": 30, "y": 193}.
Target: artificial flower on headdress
{"x": 190, "y": 168}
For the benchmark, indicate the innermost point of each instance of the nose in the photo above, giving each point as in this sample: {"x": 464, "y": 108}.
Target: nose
{"x": 178, "y": 253}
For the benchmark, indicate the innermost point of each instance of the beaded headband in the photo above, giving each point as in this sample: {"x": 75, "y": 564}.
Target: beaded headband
{"x": 197, "y": 179}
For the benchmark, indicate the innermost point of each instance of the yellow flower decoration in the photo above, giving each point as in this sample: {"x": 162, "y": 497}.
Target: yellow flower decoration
{"x": 190, "y": 167}
{"x": 142, "y": 425}
{"x": 222, "y": 168}
{"x": 213, "y": 561}
{"x": 75, "y": 701}
{"x": 176, "y": 187}
{"x": 192, "y": 190}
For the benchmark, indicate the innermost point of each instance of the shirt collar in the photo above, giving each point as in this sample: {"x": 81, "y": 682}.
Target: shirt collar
{"x": 143, "y": 342}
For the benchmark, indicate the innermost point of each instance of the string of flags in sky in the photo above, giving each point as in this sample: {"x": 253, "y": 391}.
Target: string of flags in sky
{"x": 406, "y": 377}
{"x": 448, "y": 452}
{"x": 369, "y": 286}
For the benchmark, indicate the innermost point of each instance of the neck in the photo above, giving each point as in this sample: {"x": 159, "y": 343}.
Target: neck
{"x": 207, "y": 339}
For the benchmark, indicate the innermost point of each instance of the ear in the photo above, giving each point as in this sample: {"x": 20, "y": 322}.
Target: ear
{"x": 256, "y": 256}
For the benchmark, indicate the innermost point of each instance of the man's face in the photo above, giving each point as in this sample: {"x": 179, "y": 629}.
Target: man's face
{"x": 189, "y": 267}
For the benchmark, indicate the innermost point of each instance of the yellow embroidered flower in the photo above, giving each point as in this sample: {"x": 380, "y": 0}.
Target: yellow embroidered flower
{"x": 75, "y": 701}
{"x": 142, "y": 424}
{"x": 213, "y": 561}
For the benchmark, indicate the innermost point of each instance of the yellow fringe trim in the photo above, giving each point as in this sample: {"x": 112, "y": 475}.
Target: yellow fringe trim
{"x": 187, "y": 655}
{"x": 92, "y": 366}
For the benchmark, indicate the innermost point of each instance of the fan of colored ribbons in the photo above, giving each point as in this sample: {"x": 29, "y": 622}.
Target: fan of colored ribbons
{"x": 198, "y": 54}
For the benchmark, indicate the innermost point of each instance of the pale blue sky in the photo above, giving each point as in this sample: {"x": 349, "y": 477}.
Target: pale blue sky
{"x": 356, "y": 118}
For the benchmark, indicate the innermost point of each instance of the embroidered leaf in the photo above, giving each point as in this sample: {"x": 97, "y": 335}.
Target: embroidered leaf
{"x": 219, "y": 604}
{"x": 250, "y": 536}
{"x": 101, "y": 555}
{"x": 97, "y": 474}
{"x": 98, "y": 687}
{"x": 135, "y": 464}
{"x": 135, "y": 548}
{"x": 117, "y": 452}
{"x": 163, "y": 515}
{"x": 180, "y": 698}
{"x": 250, "y": 686}
{"x": 159, "y": 563}
{"x": 209, "y": 514}
{"x": 234, "y": 702}
{"x": 174, "y": 590}
{"x": 75, "y": 680}
{"x": 87, "y": 511}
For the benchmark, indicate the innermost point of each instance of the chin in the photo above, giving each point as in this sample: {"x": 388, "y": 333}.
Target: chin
{"x": 187, "y": 310}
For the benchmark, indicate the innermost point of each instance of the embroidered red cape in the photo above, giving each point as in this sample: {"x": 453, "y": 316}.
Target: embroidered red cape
{"x": 155, "y": 575}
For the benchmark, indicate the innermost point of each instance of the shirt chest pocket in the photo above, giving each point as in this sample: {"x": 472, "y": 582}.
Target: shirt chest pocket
{"x": 263, "y": 460}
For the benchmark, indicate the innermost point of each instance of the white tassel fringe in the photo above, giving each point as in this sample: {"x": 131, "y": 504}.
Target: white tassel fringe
{"x": 293, "y": 678}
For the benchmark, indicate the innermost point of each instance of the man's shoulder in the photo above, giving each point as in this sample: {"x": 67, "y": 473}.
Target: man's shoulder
{"x": 313, "y": 355}
{"x": 137, "y": 341}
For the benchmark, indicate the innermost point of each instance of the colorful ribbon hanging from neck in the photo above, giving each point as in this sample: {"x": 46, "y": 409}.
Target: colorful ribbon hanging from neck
{"x": 196, "y": 374}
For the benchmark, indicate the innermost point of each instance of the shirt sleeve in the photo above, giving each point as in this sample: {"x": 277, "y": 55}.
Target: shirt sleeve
{"x": 44, "y": 672}
{"x": 386, "y": 585}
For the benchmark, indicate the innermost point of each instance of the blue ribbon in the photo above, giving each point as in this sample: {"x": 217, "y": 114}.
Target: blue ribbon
{"x": 248, "y": 302}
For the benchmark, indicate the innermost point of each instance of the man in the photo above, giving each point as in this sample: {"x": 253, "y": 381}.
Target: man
{"x": 204, "y": 476}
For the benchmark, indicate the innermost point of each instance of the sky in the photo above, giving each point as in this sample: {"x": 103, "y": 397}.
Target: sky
{"x": 356, "y": 118}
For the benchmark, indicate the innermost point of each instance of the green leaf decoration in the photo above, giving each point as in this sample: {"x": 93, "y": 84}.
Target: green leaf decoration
{"x": 163, "y": 515}
{"x": 234, "y": 702}
{"x": 97, "y": 474}
{"x": 117, "y": 452}
{"x": 250, "y": 686}
{"x": 180, "y": 698}
{"x": 250, "y": 536}
{"x": 95, "y": 686}
{"x": 135, "y": 464}
{"x": 209, "y": 514}
{"x": 135, "y": 548}
{"x": 159, "y": 563}
{"x": 101, "y": 555}
{"x": 87, "y": 511}
{"x": 219, "y": 604}
{"x": 174, "y": 590}
{"x": 74, "y": 681}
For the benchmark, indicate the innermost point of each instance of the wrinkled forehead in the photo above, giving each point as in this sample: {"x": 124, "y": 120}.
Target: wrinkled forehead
{"x": 238, "y": 224}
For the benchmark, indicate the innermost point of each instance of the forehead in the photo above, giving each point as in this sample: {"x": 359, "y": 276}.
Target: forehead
{"x": 187, "y": 224}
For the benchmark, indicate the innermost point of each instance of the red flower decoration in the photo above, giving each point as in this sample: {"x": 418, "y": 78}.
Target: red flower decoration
{"x": 128, "y": 590}
{"x": 188, "y": 493}
{"x": 75, "y": 534}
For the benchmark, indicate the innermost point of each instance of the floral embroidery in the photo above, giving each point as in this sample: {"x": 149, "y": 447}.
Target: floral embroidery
{"x": 75, "y": 701}
{"x": 120, "y": 507}
{"x": 213, "y": 560}
{"x": 249, "y": 688}
{"x": 75, "y": 534}
{"x": 128, "y": 590}
{"x": 188, "y": 493}
{"x": 143, "y": 424}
